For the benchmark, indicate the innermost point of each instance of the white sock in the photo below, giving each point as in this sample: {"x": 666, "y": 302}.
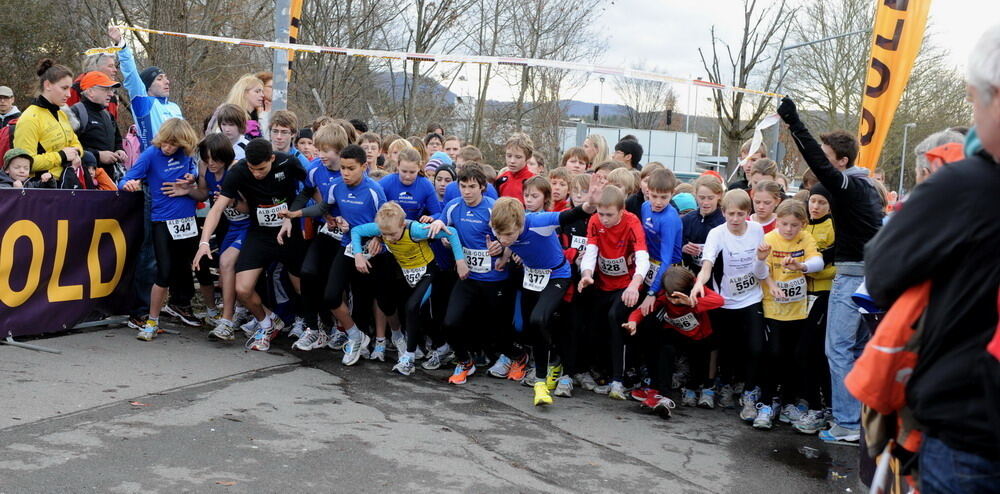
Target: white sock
{"x": 443, "y": 349}
{"x": 354, "y": 333}
{"x": 265, "y": 323}
{"x": 412, "y": 355}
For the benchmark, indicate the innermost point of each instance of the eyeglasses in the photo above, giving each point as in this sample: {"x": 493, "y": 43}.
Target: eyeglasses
{"x": 281, "y": 132}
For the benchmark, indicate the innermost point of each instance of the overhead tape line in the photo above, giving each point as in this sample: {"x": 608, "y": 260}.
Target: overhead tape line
{"x": 471, "y": 59}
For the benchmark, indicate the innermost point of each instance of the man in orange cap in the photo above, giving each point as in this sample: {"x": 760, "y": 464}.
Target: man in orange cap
{"x": 97, "y": 130}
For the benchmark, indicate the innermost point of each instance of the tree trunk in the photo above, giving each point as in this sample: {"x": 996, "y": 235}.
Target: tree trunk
{"x": 733, "y": 155}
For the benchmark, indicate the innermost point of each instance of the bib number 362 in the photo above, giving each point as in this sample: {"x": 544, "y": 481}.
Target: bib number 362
{"x": 182, "y": 228}
{"x": 269, "y": 216}
{"x": 536, "y": 279}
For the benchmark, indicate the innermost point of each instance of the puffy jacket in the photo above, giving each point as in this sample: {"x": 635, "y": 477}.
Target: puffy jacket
{"x": 149, "y": 111}
{"x": 99, "y": 132}
{"x": 44, "y": 130}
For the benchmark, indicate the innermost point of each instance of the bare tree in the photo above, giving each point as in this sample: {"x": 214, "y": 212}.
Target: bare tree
{"x": 751, "y": 63}
{"x": 489, "y": 34}
{"x": 646, "y": 102}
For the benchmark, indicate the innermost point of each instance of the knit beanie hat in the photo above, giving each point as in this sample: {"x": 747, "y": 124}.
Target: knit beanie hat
{"x": 149, "y": 74}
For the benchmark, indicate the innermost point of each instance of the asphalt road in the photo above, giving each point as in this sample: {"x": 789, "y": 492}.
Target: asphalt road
{"x": 184, "y": 414}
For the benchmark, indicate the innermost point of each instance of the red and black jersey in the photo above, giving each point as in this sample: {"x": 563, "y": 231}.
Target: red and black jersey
{"x": 560, "y": 206}
{"x": 692, "y": 322}
{"x": 616, "y": 248}
{"x": 511, "y": 184}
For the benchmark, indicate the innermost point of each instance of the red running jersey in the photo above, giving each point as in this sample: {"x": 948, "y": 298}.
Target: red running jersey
{"x": 616, "y": 248}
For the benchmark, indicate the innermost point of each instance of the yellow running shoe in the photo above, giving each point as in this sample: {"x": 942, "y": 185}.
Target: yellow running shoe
{"x": 542, "y": 396}
{"x": 552, "y": 377}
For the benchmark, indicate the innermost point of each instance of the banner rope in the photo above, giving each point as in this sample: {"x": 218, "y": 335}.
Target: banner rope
{"x": 441, "y": 58}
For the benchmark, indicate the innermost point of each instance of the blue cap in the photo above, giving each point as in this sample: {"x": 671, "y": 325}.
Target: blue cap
{"x": 685, "y": 202}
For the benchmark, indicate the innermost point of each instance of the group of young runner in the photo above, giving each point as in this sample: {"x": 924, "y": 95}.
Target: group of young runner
{"x": 592, "y": 275}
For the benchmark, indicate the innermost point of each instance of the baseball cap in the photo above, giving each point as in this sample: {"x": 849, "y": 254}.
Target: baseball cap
{"x": 6, "y": 92}
{"x": 97, "y": 78}
{"x": 14, "y": 153}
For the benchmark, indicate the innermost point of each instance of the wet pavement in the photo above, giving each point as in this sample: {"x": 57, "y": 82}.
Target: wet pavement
{"x": 183, "y": 414}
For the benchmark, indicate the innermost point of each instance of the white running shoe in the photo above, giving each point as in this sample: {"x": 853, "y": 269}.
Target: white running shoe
{"x": 765, "y": 417}
{"x": 311, "y": 339}
{"x": 250, "y": 328}
{"x": 148, "y": 332}
{"x": 378, "y": 351}
{"x": 338, "y": 339}
{"x": 810, "y": 422}
{"x": 749, "y": 403}
{"x": 354, "y": 350}
{"x": 241, "y": 315}
{"x": 617, "y": 391}
{"x": 277, "y": 324}
{"x": 399, "y": 342}
{"x": 586, "y": 381}
{"x": 707, "y": 398}
{"x": 564, "y": 387}
{"x": 793, "y": 413}
{"x": 500, "y": 368}
{"x": 727, "y": 397}
{"x": 405, "y": 365}
{"x": 298, "y": 328}
{"x": 689, "y": 398}
{"x": 224, "y": 331}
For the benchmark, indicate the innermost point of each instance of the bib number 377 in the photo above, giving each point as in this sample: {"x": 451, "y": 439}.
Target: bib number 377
{"x": 536, "y": 279}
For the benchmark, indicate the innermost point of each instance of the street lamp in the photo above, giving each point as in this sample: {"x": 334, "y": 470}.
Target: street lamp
{"x": 902, "y": 159}
{"x": 600, "y": 102}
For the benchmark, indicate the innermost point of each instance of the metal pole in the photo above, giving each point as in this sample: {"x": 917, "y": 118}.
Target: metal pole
{"x": 600, "y": 102}
{"x": 282, "y": 22}
{"x": 902, "y": 159}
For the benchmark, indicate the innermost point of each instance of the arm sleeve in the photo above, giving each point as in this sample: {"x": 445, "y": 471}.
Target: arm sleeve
{"x": 450, "y": 233}
{"x": 761, "y": 269}
{"x": 710, "y": 301}
{"x": 27, "y": 138}
{"x": 138, "y": 170}
{"x": 318, "y": 209}
{"x": 302, "y": 198}
{"x": 636, "y": 315}
{"x": 814, "y": 264}
{"x": 359, "y": 232}
{"x": 571, "y": 216}
{"x": 589, "y": 258}
{"x": 710, "y": 250}
{"x": 830, "y": 177}
{"x": 641, "y": 263}
{"x": 133, "y": 84}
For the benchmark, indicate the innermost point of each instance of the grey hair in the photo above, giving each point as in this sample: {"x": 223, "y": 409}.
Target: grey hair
{"x": 90, "y": 62}
{"x": 932, "y": 141}
{"x": 984, "y": 63}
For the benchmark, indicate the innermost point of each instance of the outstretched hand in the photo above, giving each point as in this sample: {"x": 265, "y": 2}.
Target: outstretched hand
{"x": 787, "y": 111}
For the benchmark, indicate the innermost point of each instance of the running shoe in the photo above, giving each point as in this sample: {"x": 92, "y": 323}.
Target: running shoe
{"x": 224, "y": 331}
{"x": 764, "y": 418}
{"x": 651, "y": 401}
{"x": 137, "y": 322}
{"x": 518, "y": 369}
{"x": 378, "y": 351}
{"x": 481, "y": 359}
{"x": 500, "y": 368}
{"x": 602, "y": 389}
{"x": 727, "y": 397}
{"x": 840, "y": 435}
{"x": 261, "y": 342}
{"x": 663, "y": 407}
{"x": 462, "y": 372}
{"x": 689, "y": 398}
{"x": 707, "y": 398}
{"x": 311, "y": 339}
{"x": 355, "y": 349}
{"x": 749, "y": 403}
{"x": 640, "y": 394}
{"x": 338, "y": 339}
{"x": 299, "y": 328}
{"x": 405, "y": 365}
{"x": 586, "y": 381}
{"x": 148, "y": 331}
{"x": 182, "y": 314}
{"x": 617, "y": 391}
{"x": 529, "y": 376}
{"x": 277, "y": 324}
{"x": 810, "y": 422}
{"x": 438, "y": 358}
{"x": 564, "y": 387}
{"x": 398, "y": 340}
{"x": 542, "y": 396}
{"x": 553, "y": 375}
{"x": 210, "y": 317}
{"x": 792, "y": 413}
{"x": 250, "y": 327}
{"x": 241, "y": 315}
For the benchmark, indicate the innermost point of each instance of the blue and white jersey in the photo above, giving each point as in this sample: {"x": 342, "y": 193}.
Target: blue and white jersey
{"x": 664, "y": 239}
{"x": 538, "y": 245}
{"x": 417, "y": 199}
{"x": 358, "y": 204}
{"x": 473, "y": 226}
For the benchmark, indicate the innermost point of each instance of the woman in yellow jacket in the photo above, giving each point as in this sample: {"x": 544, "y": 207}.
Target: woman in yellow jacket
{"x": 43, "y": 130}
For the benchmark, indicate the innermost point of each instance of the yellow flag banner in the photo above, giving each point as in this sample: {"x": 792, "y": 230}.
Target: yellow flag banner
{"x": 896, "y": 39}
{"x": 293, "y": 31}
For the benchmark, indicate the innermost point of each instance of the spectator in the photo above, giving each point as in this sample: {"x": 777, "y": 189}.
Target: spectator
{"x": 43, "y": 130}
{"x": 87, "y": 177}
{"x": 98, "y": 132}
{"x": 8, "y": 111}
{"x": 248, "y": 94}
{"x": 948, "y": 238}
{"x": 452, "y": 145}
{"x": 629, "y": 153}
{"x": 596, "y": 148}
{"x": 281, "y": 132}
{"x": 17, "y": 172}
{"x": 434, "y": 128}
{"x": 101, "y": 62}
{"x": 149, "y": 92}
{"x": 264, "y": 110}
{"x": 434, "y": 143}
{"x": 924, "y": 168}
{"x": 857, "y": 209}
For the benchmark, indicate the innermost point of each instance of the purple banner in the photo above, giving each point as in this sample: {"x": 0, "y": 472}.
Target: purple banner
{"x": 64, "y": 254}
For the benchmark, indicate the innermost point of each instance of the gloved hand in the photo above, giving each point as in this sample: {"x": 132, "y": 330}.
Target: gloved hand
{"x": 787, "y": 111}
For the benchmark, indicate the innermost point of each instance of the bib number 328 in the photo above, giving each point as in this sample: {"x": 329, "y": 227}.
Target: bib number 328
{"x": 182, "y": 228}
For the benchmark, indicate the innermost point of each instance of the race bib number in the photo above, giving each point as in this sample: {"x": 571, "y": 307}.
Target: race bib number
{"x": 811, "y": 301}
{"x": 182, "y": 228}
{"x": 742, "y": 284}
{"x": 269, "y": 216}
{"x": 335, "y": 232}
{"x": 612, "y": 267}
{"x": 233, "y": 214}
{"x": 687, "y": 323}
{"x": 697, "y": 258}
{"x": 536, "y": 279}
{"x": 794, "y": 290}
{"x": 577, "y": 242}
{"x": 651, "y": 274}
{"x": 349, "y": 251}
{"x": 413, "y": 275}
{"x": 477, "y": 259}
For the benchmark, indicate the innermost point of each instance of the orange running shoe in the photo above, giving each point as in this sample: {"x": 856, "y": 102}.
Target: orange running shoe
{"x": 462, "y": 372}
{"x": 518, "y": 369}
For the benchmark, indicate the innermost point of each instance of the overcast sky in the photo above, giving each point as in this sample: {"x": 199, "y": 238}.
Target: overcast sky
{"x": 667, "y": 34}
